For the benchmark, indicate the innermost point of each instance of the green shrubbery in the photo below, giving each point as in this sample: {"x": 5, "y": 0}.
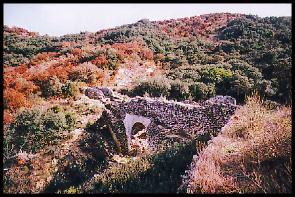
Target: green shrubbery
{"x": 53, "y": 87}
{"x": 173, "y": 89}
{"x": 70, "y": 89}
{"x": 252, "y": 49}
{"x": 263, "y": 43}
{"x": 19, "y": 49}
{"x": 156, "y": 87}
{"x": 158, "y": 173}
{"x": 202, "y": 91}
{"x": 35, "y": 128}
{"x": 179, "y": 90}
{"x": 236, "y": 78}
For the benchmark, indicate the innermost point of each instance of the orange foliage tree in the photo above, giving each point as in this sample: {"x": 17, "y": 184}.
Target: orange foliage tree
{"x": 14, "y": 99}
{"x": 100, "y": 61}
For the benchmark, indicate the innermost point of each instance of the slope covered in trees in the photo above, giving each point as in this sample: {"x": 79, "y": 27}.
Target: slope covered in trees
{"x": 202, "y": 56}
{"x": 191, "y": 58}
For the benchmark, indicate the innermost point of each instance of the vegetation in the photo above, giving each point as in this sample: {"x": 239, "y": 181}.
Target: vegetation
{"x": 35, "y": 128}
{"x": 251, "y": 155}
{"x": 212, "y": 54}
{"x": 181, "y": 59}
{"x": 157, "y": 173}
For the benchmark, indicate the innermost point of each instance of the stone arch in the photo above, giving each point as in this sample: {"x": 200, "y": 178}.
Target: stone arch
{"x": 129, "y": 122}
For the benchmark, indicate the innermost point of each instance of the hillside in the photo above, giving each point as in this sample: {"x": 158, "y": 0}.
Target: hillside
{"x": 69, "y": 102}
{"x": 251, "y": 154}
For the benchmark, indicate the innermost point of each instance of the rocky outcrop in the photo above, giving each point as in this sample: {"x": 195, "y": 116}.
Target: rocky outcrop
{"x": 98, "y": 93}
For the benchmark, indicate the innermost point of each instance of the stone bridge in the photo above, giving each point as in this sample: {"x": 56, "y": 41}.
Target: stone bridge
{"x": 163, "y": 121}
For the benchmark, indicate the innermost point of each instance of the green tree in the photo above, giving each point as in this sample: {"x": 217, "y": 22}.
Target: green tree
{"x": 179, "y": 90}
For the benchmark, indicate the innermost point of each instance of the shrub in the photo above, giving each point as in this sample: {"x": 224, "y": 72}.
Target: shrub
{"x": 14, "y": 59}
{"x": 7, "y": 117}
{"x": 251, "y": 155}
{"x": 86, "y": 72}
{"x": 14, "y": 100}
{"x": 158, "y": 173}
{"x": 53, "y": 121}
{"x": 189, "y": 74}
{"x": 240, "y": 86}
{"x": 202, "y": 91}
{"x": 70, "y": 89}
{"x": 35, "y": 128}
{"x": 179, "y": 90}
{"x": 71, "y": 190}
{"x": 24, "y": 131}
{"x": 71, "y": 120}
{"x": 52, "y": 87}
{"x": 57, "y": 109}
{"x": 91, "y": 125}
{"x": 215, "y": 74}
{"x": 112, "y": 58}
{"x": 156, "y": 87}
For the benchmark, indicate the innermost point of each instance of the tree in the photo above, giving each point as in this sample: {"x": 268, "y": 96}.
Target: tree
{"x": 179, "y": 90}
{"x": 202, "y": 91}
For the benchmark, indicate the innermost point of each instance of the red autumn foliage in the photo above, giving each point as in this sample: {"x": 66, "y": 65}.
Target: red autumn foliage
{"x": 66, "y": 44}
{"x": 201, "y": 25}
{"x": 60, "y": 71}
{"x": 76, "y": 52}
{"x": 20, "y": 31}
{"x": 147, "y": 54}
{"x": 43, "y": 57}
{"x": 7, "y": 117}
{"x": 14, "y": 99}
{"x": 100, "y": 61}
{"x": 125, "y": 50}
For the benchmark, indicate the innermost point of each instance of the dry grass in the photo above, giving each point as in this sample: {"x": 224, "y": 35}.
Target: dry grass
{"x": 251, "y": 155}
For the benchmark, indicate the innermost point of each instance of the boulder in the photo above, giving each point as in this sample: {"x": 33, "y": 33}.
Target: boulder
{"x": 106, "y": 91}
{"x": 94, "y": 93}
{"x": 98, "y": 93}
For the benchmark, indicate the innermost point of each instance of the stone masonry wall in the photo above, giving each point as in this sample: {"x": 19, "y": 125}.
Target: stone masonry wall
{"x": 169, "y": 120}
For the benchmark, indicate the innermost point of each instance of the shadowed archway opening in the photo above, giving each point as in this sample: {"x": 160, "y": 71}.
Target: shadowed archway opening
{"x": 137, "y": 127}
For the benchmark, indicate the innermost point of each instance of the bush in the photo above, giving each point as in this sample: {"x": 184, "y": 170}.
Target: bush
{"x": 156, "y": 87}
{"x": 7, "y": 117}
{"x": 253, "y": 154}
{"x": 20, "y": 132}
{"x": 70, "y": 89}
{"x": 215, "y": 74}
{"x": 179, "y": 90}
{"x": 68, "y": 117}
{"x": 57, "y": 109}
{"x": 54, "y": 122}
{"x": 14, "y": 100}
{"x": 71, "y": 120}
{"x": 23, "y": 132}
{"x": 202, "y": 91}
{"x": 158, "y": 173}
{"x": 35, "y": 128}
{"x": 52, "y": 87}
{"x": 112, "y": 58}
{"x": 71, "y": 190}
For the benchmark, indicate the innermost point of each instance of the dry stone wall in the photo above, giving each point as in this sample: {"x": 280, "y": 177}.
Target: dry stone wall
{"x": 168, "y": 121}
